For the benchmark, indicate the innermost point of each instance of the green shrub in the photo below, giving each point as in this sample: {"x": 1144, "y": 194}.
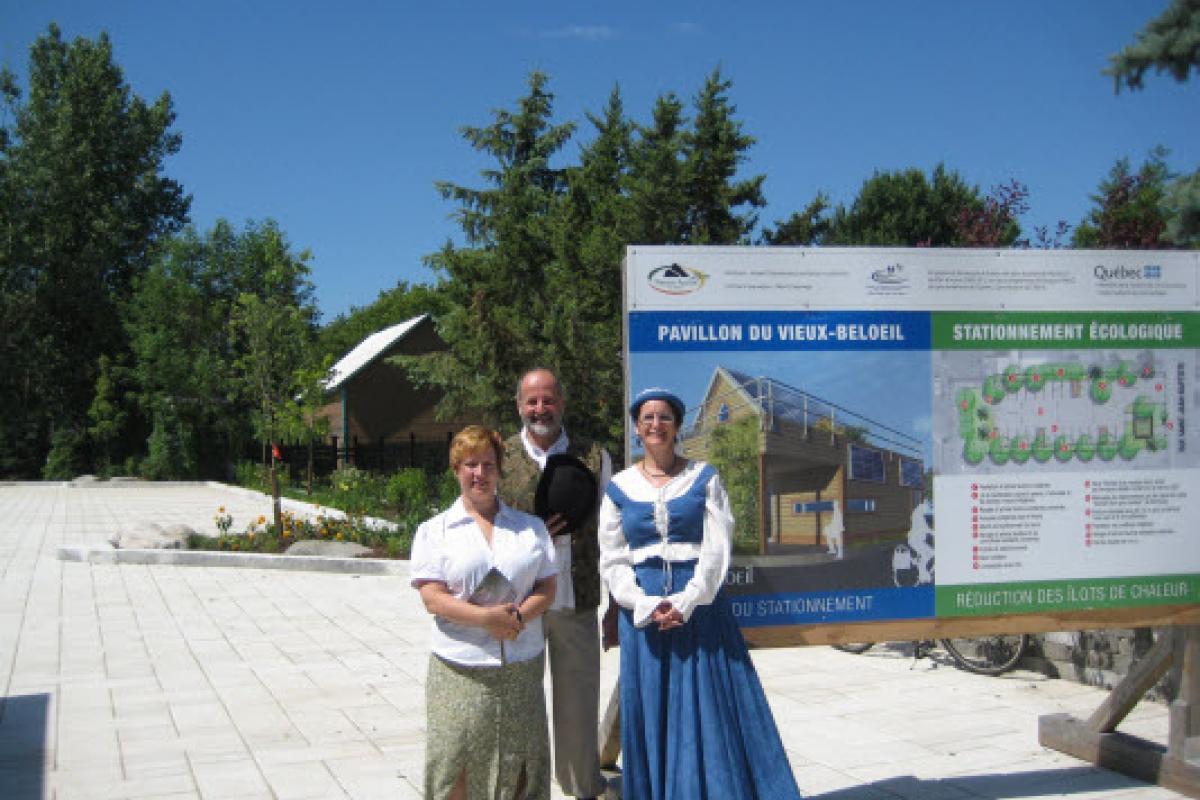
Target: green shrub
{"x": 169, "y": 449}
{"x": 63, "y": 460}
{"x": 253, "y": 475}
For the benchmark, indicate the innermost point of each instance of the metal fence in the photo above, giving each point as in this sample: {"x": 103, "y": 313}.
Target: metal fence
{"x": 378, "y": 456}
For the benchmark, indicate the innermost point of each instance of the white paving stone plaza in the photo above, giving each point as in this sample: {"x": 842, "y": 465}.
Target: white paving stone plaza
{"x": 175, "y": 681}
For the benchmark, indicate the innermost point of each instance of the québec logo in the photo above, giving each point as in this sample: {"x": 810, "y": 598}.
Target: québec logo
{"x": 1151, "y": 272}
{"x": 676, "y": 279}
{"x": 891, "y": 275}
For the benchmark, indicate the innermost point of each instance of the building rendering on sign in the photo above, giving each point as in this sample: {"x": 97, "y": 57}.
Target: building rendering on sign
{"x": 829, "y": 478}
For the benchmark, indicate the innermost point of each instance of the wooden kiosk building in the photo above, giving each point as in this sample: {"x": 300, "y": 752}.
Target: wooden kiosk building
{"x": 817, "y": 461}
{"x": 377, "y": 417}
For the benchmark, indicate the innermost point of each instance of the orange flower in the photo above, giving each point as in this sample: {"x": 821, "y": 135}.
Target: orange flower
{"x": 262, "y": 520}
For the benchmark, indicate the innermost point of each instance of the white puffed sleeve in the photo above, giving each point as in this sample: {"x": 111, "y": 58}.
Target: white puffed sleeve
{"x": 426, "y": 561}
{"x": 715, "y": 549}
{"x": 616, "y": 566}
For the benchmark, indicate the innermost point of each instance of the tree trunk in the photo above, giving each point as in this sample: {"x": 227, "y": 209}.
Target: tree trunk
{"x": 308, "y": 486}
{"x": 277, "y": 506}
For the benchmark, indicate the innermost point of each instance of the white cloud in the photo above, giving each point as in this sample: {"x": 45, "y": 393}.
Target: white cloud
{"x": 593, "y": 33}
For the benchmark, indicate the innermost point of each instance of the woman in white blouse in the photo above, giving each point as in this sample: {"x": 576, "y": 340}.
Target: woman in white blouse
{"x": 486, "y": 573}
{"x": 694, "y": 719}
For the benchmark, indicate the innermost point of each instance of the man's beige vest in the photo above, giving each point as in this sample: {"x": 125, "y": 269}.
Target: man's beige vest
{"x": 517, "y": 488}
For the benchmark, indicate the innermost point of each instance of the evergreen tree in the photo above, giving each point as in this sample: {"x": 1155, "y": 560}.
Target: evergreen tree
{"x": 1182, "y": 207}
{"x": 539, "y": 282}
{"x": 1129, "y": 211}
{"x": 811, "y": 226}
{"x": 1169, "y": 43}
{"x": 107, "y": 415}
{"x": 583, "y": 324}
{"x": 83, "y": 201}
{"x": 714, "y": 148}
{"x": 656, "y": 181}
{"x": 495, "y": 287}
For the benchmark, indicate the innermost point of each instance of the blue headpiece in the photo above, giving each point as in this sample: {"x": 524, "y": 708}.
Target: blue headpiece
{"x": 656, "y": 393}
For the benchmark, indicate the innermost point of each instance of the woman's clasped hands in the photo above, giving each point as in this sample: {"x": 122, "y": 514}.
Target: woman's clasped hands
{"x": 504, "y": 622}
{"x": 666, "y": 616}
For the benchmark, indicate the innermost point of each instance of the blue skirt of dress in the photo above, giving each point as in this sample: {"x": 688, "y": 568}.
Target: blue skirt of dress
{"x": 695, "y": 722}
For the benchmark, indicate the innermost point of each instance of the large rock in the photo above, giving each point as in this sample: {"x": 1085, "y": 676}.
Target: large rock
{"x": 321, "y": 547}
{"x": 151, "y": 536}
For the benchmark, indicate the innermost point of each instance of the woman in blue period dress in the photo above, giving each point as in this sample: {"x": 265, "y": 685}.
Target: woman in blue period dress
{"x": 486, "y": 733}
{"x": 695, "y": 722}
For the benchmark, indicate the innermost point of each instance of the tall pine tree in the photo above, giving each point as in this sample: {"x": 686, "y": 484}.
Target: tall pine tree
{"x": 495, "y": 286}
{"x": 714, "y": 149}
{"x": 583, "y": 322}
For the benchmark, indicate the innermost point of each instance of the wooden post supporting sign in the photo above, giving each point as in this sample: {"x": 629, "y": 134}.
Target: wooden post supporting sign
{"x": 1097, "y": 740}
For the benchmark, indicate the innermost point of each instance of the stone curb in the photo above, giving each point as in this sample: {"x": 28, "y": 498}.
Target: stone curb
{"x": 210, "y": 558}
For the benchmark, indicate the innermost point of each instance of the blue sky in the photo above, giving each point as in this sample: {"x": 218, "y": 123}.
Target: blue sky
{"x": 336, "y": 119}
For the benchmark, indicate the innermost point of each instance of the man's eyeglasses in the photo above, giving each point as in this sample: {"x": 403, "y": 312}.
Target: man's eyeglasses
{"x": 664, "y": 418}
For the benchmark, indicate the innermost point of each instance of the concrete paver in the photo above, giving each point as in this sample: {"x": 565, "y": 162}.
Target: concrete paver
{"x": 174, "y": 681}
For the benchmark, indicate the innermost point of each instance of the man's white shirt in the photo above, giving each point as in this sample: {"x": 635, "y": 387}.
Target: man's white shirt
{"x": 564, "y": 595}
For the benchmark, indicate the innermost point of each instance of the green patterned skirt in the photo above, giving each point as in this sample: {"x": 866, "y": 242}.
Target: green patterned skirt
{"x": 490, "y": 721}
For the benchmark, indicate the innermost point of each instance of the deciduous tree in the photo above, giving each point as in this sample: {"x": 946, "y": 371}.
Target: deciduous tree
{"x": 184, "y": 348}
{"x": 903, "y": 208}
{"x": 84, "y": 199}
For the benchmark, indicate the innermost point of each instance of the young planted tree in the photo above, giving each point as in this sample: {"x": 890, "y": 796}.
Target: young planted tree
{"x": 273, "y": 336}
{"x": 273, "y": 331}
{"x": 301, "y": 422}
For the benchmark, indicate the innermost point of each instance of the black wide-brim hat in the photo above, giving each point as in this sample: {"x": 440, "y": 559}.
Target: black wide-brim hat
{"x": 566, "y": 487}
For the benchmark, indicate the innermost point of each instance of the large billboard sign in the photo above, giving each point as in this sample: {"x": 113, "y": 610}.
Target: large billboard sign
{"x": 925, "y": 433}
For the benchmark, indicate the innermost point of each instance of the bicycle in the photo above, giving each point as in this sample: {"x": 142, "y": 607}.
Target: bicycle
{"x": 985, "y": 655}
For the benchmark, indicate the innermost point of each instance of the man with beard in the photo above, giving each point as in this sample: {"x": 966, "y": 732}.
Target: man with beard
{"x": 572, "y": 634}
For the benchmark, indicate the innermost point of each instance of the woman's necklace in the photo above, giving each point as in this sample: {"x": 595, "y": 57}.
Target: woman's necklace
{"x": 665, "y": 474}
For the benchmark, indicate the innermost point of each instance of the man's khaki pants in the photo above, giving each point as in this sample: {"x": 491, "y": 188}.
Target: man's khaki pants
{"x": 573, "y": 644}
